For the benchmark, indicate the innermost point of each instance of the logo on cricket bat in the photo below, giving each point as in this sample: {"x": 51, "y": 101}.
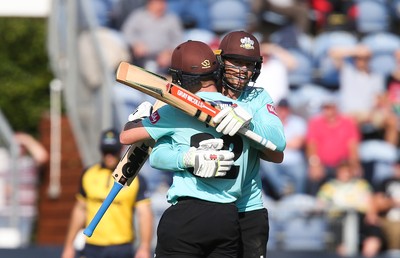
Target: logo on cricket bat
{"x": 193, "y": 100}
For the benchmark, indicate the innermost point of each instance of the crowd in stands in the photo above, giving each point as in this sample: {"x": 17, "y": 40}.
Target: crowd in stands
{"x": 333, "y": 69}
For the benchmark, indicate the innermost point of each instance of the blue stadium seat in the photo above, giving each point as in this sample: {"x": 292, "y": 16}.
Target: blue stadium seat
{"x": 324, "y": 41}
{"x": 306, "y": 101}
{"x": 373, "y": 16}
{"x": 395, "y": 9}
{"x": 303, "y": 73}
{"x": 227, "y": 15}
{"x": 194, "y": 13}
{"x": 274, "y": 226}
{"x": 382, "y": 42}
{"x": 203, "y": 35}
{"x": 383, "y": 45}
{"x": 303, "y": 229}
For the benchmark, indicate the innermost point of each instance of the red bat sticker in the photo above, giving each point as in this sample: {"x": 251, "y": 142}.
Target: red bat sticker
{"x": 194, "y": 101}
{"x": 271, "y": 109}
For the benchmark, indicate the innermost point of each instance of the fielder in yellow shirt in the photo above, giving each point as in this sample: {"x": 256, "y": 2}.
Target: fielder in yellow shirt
{"x": 114, "y": 235}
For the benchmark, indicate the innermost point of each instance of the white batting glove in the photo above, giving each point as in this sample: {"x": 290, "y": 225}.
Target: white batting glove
{"x": 231, "y": 119}
{"x": 143, "y": 110}
{"x": 209, "y": 160}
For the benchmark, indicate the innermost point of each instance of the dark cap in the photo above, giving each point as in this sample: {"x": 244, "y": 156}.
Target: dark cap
{"x": 109, "y": 142}
{"x": 240, "y": 45}
{"x": 194, "y": 57}
{"x": 283, "y": 103}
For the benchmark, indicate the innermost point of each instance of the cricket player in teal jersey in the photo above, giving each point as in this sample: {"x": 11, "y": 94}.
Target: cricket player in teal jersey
{"x": 241, "y": 61}
{"x": 203, "y": 219}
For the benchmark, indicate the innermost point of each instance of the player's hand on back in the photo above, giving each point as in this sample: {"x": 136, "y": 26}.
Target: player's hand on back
{"x": 143, "y": 110}
{"x": 208, "y": 160}
{"x": 231, "y": 119}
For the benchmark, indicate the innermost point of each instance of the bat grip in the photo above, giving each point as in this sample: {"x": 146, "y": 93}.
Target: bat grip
{"x": 103, "y": 208}
{"x": 257, "y": 138}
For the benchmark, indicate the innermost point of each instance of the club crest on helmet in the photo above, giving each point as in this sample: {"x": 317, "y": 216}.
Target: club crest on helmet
{"x": 247, "y": 43}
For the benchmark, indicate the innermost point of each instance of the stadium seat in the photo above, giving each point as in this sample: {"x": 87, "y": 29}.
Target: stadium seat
{"x": 382, "y": 45}
{"x": 326, "y": 40}
{"x": 307, "y": 100}
{"x": 373, "y": 16}
{"x": 274, "y": 226}
{"x": 303, "y": 228}
{"x": 395, "y": 8}
{"x": 303, "y": 73}
{"x": 193, "y": 14}
{"x": 203, "y": 35}
{"x": 227, "y": 15}
{"x": 382, "y": 42}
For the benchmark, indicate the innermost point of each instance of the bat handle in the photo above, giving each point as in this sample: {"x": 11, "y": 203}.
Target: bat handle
{"x": 103, "y": 208}
{"x": 257, "y": 138}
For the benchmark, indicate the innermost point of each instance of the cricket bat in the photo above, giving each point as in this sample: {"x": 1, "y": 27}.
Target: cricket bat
{"x": 125, "y": 172}
{"x": 176, "y": 96}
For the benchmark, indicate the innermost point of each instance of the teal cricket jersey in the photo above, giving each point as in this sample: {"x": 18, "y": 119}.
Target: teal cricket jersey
{"x": 182, "y": 132}
{"x": 266, "y": 123}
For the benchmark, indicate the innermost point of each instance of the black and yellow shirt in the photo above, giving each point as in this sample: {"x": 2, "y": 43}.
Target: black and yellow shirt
{"x": 116, "y": 226}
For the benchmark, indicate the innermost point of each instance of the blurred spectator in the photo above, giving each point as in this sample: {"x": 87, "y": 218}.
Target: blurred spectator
{"x": 277, "y": 63}
{"x": 331, "y": 138}
{"x": 113, "y": 47}
{"x": 152, "y": 34}
{"x": 393, "y": 89}
{"x": 356, "y": 80}
{"x": 115, "y": 234}
{"x": 387, "y": 208}
{"x": 347, "y": 193}
{"x": 32, "y": 157}
{"x": 290, "y": 175}
{"x": 333, "y": 15}
{"x": 281, "y": 13}
{"x": 375, "y": 118}
{"x": 122, "y": 9}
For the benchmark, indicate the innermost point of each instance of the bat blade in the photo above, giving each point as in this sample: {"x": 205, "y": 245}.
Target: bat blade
{"x": 176, "y": 96}
{"x": 125, "y": 172}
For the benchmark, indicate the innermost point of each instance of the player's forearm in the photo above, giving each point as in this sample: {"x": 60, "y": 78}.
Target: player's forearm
{"x": 272, "y": 156}
{"x": 272, "y": 132}
{"x": 133, "y": 132}
{"x": 165, "y": 157}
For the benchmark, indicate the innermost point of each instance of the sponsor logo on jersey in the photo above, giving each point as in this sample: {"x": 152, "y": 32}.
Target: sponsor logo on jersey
{"x": 222, "y": 104}
{"x": 154, "y": 117}
{"x": 271, "y": 109}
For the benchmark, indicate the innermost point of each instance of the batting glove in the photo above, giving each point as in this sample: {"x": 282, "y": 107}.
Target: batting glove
{"x": 209, "y": 160}
{"x": 231, "y": 119}
{"x": 143, "y": 110}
